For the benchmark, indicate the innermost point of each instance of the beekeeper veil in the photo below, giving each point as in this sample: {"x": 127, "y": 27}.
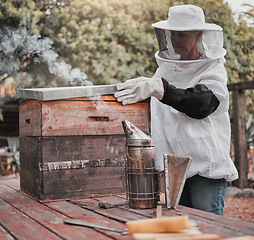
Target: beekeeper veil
{"x": 188, "y": 18}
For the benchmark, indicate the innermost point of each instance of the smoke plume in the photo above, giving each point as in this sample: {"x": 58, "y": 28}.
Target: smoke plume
{"x": 17, "y": 44}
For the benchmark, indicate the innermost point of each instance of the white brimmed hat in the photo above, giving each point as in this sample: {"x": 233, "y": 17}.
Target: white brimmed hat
{"x": 186, "y": 18}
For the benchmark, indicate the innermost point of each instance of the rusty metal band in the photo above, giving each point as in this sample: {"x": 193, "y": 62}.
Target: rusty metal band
{"x": 79, "y": 164}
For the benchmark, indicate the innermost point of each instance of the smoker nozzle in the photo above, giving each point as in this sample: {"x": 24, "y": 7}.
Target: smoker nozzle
{"x": 133, "y": 132}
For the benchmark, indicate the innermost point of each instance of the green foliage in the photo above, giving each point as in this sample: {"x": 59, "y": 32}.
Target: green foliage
{"x": 23, "y": 16}
{"x": 238, "y": 39}
{"x": 112, "y": 40}
{"x": 20, "y": 13}
{"x": 250, "y": 129}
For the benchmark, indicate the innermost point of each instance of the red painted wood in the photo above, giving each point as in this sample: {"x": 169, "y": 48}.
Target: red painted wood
{"x": 13, "y": 183}
{"x": 74, "y": 211}
{"x": 212, "y": 223}
{"x": 83, "y": 116}
{"x": 46, "y": 216}
{"x": 30, "y": 118}
{"x": 21, "y": 226}
{"x": 148, "y": 213}
{"x": 119, "y": 214}
{"x": 5, "y": 235}
{"x": 22, "y": 216}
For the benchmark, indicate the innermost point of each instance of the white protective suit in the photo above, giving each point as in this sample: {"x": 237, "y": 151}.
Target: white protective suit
{"x": 206, "y": 140}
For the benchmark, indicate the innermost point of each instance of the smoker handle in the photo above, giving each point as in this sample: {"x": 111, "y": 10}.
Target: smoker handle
{"x": 100, "y": 118}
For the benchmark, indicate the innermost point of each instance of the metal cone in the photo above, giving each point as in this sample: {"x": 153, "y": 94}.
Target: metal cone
{"x": 133, "y": 132}
{"x": 175, "y": 175}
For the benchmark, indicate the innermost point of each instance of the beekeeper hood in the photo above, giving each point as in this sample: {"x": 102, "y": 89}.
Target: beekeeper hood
{"x": 188, "y": 18}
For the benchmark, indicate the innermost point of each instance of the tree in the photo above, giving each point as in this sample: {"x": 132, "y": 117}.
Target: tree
{"x": 112, "y": 40}
{"x": 21, "y": 44}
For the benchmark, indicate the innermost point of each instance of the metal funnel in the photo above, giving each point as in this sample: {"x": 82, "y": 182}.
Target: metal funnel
{"x": 133, "y": 132}
{"x": 175, "y": 175}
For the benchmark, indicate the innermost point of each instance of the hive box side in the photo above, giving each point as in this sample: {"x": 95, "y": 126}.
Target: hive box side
{"x": 73, "y": 166}
{"x": 30, "y": 122}
{"x": 76, "y": 147}
{"x": 30, "y": 157}
{"x": 83, "y": 116}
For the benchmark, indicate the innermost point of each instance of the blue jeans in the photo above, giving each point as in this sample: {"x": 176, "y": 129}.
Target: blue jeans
{"x": 204, "y": 194}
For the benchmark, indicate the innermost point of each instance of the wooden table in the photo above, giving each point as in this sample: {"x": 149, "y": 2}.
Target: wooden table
{"x": 22, "y": 217}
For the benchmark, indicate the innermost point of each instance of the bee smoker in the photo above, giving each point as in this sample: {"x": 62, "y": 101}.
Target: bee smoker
{"x": 141, "y": 176}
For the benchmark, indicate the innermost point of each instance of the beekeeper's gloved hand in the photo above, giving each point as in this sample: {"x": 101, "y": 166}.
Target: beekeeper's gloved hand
{"x": 138, "y": 89}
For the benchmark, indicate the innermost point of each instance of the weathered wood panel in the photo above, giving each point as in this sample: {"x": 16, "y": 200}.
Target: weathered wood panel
{"x": 119, "y": 214}
{"x": 241, "y": 86}
{"x": 21, "y": 226}
{"x": 82, "y": 116}
{"x": 4, "y": 235}
{"x": 84, "y": 182}
{"x": 72, "y": 166}
{"x": 26, "y": 215}
{"x": 76, "y": 147}
{"x": 238, "y": 126}
{"x": 30, "y": 118}
{"x": 226, "y": 224}
{"x": 67, "y": 148}
{"x": 239, "y": 134}
{"x": 30, "y": 156}
{"x": 45, "y": 217}
{"x": 74, "y": 211}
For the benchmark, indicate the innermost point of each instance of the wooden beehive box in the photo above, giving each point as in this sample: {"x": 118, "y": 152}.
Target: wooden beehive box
{"x": 74, "y": 146}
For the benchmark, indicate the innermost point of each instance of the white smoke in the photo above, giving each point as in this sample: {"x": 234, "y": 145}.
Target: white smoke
{"x": 16, "y": 44}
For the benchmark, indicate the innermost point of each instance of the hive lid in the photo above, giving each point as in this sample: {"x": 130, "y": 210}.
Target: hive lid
{"x": 55, "y": 93}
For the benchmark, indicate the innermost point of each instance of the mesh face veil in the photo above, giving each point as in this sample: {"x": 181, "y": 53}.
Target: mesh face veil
{"x": 209, "y": 45}
{"x": 188, "y": 18}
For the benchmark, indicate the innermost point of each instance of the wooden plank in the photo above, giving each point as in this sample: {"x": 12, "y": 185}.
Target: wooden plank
{"x": 91, "y": 117}
{"x": 75, "y": 212}
{"x": 46, "y": 216}
{"x": 212, "y": 223}
{"x": 21, "y": 226}
{"x": 4, "y": 235}
{"x": 240, "y": 143}
{"x": 12, "y": 183}
{"x": 208, "y": 223}
{"x": 68, "y": 148}
{"x": 147, "y": 213}
{"x": 82, "y": 116}
{"x": 119, "y": 214}
{"x": 30, "y": 156}
{"x": 241, "y": 86}
{"x": 232, "y": 223}
{"x": 103, "y": 172}
{"x": 30, "y": 118}
{"x": 110, "y": 176}
{"x": 85, "y": 182}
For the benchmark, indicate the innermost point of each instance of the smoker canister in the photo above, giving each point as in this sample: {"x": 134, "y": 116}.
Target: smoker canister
{"x": 141, "y": 176}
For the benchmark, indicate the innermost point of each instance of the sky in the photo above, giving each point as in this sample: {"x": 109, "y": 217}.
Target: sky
{"x": 236, "y": 6}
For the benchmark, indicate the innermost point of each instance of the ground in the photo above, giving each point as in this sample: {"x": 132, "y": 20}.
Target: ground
{"x": 241, "y": 208}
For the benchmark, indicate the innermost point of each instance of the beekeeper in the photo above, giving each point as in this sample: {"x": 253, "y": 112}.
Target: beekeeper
{"x": 189, "y": 104}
